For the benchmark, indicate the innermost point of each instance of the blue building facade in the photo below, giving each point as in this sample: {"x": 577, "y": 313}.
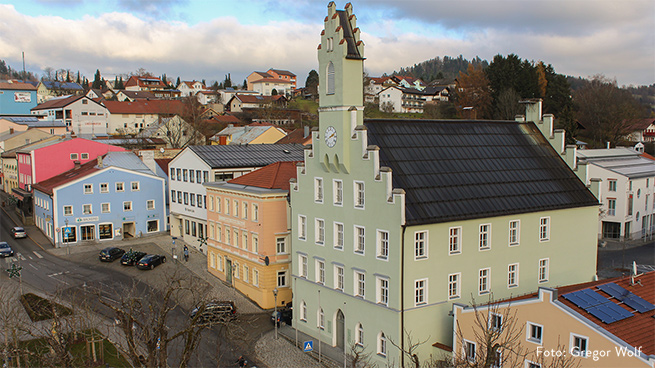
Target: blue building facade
{"x": 17, "y": 98}
{"x": 98, "y": 202}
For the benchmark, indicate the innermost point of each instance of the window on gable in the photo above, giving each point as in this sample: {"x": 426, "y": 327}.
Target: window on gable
{"x": 104, "y": 187}
{"x": 318, "y": 190}
{"x": 383, "y": 244}
{"x": 534, "y": 332}
{"x": 337, "y": 187}
{"x": 73, "y": 156}
{"x": 359, "y": 194}
{"x": 330, "y": 79}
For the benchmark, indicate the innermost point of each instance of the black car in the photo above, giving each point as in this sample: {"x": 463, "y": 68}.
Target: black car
{"x": 215, "y": 311}
{"x": 284, "y": 315}
{"x": 110, "y": 254}
{"x": 5, "y": 250}
{"x": 150, "y": 261}
{"x": 132, "y": 257}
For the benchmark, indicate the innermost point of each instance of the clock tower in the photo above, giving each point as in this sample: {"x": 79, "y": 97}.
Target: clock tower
{"x": 341, "y": 96}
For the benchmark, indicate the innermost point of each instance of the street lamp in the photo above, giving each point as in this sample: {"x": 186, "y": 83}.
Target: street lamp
{"x": 173, "y": 249}
{"x": 275, "y": 313}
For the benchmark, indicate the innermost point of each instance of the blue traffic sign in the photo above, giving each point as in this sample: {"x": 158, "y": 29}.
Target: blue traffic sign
{"x": 67, "y": 231}
{"x": 308, "y": 346}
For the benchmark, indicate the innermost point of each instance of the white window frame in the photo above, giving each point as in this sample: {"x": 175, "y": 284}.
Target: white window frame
{"x": 359, "y": 241}
{"x": 69, "y": 212}
{"x": 512, "y": 275}
{"x": 318, "y": 190}
{"x": 89, "y": 206}
{"x": 302, "y": 265}
{"x": 255, "y": 212}
{"x": 122, "y": 186}
{"x": 127, "y": 206}
{"x": 359, "y": 194}
{"x": 382, "y": 344}
{"x": 382, "y": 251}
{"x": 493, "y": 318}
{"x": 484, "y": 281}
{"x": 135, "y": 186}
{"x": 455, "y": 240}
{"x": 528, "y": 333}
{"x": 338, "y": 235}
{"x": 320, "y": 319}
{"x": 454, "y": 279}
{"x": 150, "y": 204}
{"x": 544, "y": 229}
{"x": 319, "y": 231}
{"x": 339, "y": 277}
{"x": 303, "y": 311}
{"x": 420, "y": 292}
{"x": 514, "y": 236}
{"x": 282, "y": 275}
{"x": 337, "y": 192}
{"x": 484, "y": 237}
{"x": 319, "y": 267}
{"x": 544, "y": 270}
{"x": 102, "y": 209}
{"x": 88, "y": 188}
{"x": 359, "y": 284}
{"x": 302, "y": 227}
{"x": 281, "y": 245}
{"x": 359, "y": 334}
{"x": 575, "y": 349}
{"x": 104, "y": 187}
{"x": 382, "y": 294}
{"x": 469, "y": 347}
{"x": 420, "y": 245}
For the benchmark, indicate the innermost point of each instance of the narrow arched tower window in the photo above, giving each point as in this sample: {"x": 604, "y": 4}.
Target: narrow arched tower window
{"x": 330, "y": 79}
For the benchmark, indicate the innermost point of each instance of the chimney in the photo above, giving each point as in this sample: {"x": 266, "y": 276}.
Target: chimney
{"x": 77, "y": 165}
{"x": 100, "y": 162}
{"x": 608, "y": 145}
{"x": 306, "y": 132}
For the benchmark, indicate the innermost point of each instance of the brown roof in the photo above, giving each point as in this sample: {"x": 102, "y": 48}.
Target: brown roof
{"x": 48, "y": 185}
{"x": 255, "y": 98}
{"x": 139, "y": 94}
{"x": 641, "y": 124}
{"x": 297, "y": 136}
{"x": 272, "y": 80}
{"x": 282, "y": 72}
{"x": 636, "y": 330}
{"x": 227, "y": 119}
{"x": 17, "y": 85}
{"x": 139, "y": 81}
{"x": 171, "y": 107}
{"x": 59, "y": 102}
{"x": 163, "y": 163}
{"x": 273, "y": 176}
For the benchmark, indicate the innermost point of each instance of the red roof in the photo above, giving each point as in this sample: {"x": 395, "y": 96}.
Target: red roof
{"x": 297, "y": 136}
{"x": 145, "y": 81}
{"x": 273, "y": 176}
{"x": 636, "y": 330}
{"x": 48, "y": 185}
{"x": 172, "y": 107}
{"x": 163, "y": 163}
{"x": 58, "y": 102}
{"x": 272, "y": 80}
{"x": 230, "y": 119}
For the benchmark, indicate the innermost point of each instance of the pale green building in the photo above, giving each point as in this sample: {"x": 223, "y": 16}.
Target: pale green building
{"x": 395, "y": 220}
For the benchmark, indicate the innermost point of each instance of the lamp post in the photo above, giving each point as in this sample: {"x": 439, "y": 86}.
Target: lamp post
{"x": 173, "y": 255}
{"x": 275, "y": 313}
{"x": 68, "y": 251}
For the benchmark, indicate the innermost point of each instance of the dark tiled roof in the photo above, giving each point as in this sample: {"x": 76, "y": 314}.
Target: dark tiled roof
{"x": 457, "y": 170}
{"x": 248, "y": 155}
{"x": 353, "y": 51}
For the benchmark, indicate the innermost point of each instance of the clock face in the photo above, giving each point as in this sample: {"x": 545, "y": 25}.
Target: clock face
{"x": 330, "y": 136}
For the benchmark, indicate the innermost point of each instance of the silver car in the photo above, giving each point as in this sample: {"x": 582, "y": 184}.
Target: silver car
{"x": 18, "y": 232}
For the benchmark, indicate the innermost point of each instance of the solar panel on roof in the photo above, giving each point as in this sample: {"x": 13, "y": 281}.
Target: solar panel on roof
{"x": 615, "y": 291}
{"x": 637, "y": 303}
{"x": 609, "y": 312}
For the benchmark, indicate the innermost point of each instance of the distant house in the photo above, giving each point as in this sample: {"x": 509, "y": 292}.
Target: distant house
{"x": 49, "y": 89}
{"x": 606, "y": 323}
{"x": 96, "y": 93}
{"x": 144, "y": 83}
{"x": 21, "y": 124}
{"x": 409, "y": 82}
{"x": 131, "y": 117}
{"x": 248, "y": 135}
{"x": 642, "y": 130}
{"x": 17, "y": 98}
{"x": 227, "y": 94}
{"x": 298, "y": 136}
{"x": 283, "y": 81}
{"x": 80, "y": 113}
{"x": 190, "y": 88}
{"x": 374, "y": 86}
{"x": 125, "y": 95}
{"x": 175, "y": 131}
{"x": 402, "y": 100}
{"x": 240, "y": 102}
{"x": 111, "y": 198}
{"x": 207, "y": 97}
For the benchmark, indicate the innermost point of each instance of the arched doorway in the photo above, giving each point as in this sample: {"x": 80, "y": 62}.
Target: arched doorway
{"x": 339, "y": 330}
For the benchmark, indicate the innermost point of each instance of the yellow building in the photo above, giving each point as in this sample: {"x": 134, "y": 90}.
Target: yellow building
{"x": 607, "y": 323}
{"x": 248, "y": 229}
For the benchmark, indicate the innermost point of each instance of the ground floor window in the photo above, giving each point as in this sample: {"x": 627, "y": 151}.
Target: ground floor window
{"x": 88, "y": 232}
{"x": 153, "y": 225}
{"x": 193, "y": 228}
{"x": 105, "y": 231}
{"x": 611, "y": 230}
{"x": 70, "y": 234}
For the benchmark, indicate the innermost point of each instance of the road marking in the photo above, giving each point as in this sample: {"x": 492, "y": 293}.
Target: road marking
{"x": 21, "y": 257}
{"x": 33, "y": 266}
{"x": 37, "y": 254}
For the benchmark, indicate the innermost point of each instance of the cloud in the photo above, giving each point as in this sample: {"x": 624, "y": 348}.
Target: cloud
{"x": 151, "y": 8}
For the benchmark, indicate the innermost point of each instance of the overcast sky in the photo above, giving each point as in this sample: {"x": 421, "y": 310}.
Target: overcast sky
{"x": 206, "y": 39}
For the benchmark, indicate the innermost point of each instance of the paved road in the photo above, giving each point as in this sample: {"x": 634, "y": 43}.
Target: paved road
{"x": 617, "y": 262}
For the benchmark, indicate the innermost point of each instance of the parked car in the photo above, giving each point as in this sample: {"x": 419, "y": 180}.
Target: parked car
{"x": 284, "y": 315}
{"x": 110, "y": 254}
{"x": 131, "y": 257}
{"x": 150, "y": 261}
{"x": 214, "y": 311}
{"x": 5, "y": 250}
{"x": 18, "y": 232}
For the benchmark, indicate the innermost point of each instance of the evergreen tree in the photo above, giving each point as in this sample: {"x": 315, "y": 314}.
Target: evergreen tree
{"x": 119, "y": 85}
{"x": 68, "y": 76}
{"x": 78, "y": 80}
{"x": 311, "y": 83}
{"x": 177, "y": 84}
{"x": 245, "y": 84}
{"x": 228, "y": 81}
{"x": 163, "y": 79}
{"x": 97, "y": 82}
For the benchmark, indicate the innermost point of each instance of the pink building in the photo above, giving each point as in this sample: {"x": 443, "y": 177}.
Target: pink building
{"x": 41, "y": 162}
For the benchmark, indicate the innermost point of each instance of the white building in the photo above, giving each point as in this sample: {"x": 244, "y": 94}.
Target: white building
{"x": 81, "y": 114}
{"x": 190, "y": 88}
{"x": 627, "y": 191}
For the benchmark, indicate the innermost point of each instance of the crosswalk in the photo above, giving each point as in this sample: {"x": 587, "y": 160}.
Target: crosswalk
{"x": 23, "y": 257}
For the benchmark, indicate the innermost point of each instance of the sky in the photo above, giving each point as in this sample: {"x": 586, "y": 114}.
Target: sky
{"x": 207, "y": 39}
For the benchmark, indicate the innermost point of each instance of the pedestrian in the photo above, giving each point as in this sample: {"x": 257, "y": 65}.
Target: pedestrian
{"x": 242, "y": 362}
{"x": 186, "y": 254}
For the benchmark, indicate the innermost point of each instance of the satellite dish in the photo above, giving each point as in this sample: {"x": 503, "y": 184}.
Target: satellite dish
{"x": 162, "y": 150}
{"x": 634, "y": 268}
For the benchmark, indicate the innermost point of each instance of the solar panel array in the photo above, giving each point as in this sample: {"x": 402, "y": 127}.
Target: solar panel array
{"x": 633, "y": 301}
{"x": 597, "y": 305}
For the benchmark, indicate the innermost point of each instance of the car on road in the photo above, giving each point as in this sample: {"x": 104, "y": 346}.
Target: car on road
{"x": 150, "y": 261}
{"x": 18, "y": 232}
{"x": 215, "y": 311}
{"x": 5, "y": 250}
{"x": 284, "y": 315}
{"x": 110, "y": 254}
{"x": 131, "y": 257}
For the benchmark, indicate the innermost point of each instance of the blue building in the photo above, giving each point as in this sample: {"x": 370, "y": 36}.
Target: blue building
{"x": 111, "y": 198}
{"x": 17, "y": 98}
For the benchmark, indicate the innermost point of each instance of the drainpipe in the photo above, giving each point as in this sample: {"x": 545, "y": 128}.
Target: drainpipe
{"x": 402, "y": 296}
